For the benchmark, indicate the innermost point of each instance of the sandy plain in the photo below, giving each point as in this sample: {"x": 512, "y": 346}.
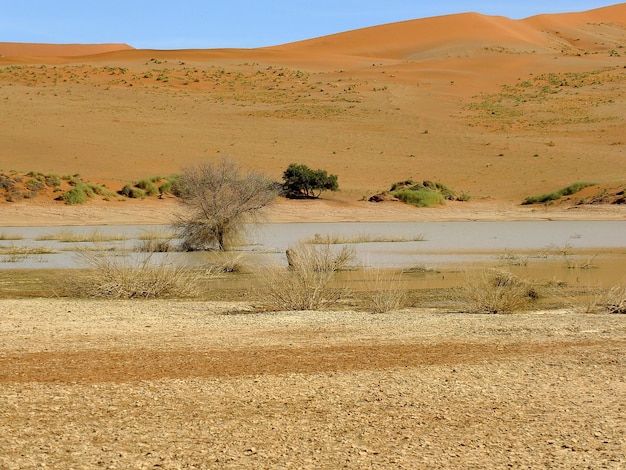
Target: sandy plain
{"x": 496, "y": 108}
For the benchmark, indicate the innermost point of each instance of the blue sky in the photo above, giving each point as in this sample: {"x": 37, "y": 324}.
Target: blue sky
{"x": 170, "y": 24}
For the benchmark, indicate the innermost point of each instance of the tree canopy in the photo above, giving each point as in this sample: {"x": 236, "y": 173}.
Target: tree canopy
{"x": 300, "y": 181}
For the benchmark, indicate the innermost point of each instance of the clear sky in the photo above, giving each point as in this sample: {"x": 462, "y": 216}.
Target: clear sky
{"x": 171, "y": 24}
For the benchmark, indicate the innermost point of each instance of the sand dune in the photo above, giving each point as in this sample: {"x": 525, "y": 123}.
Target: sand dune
{"x": 500, "y": 109}
{"x": 15, "y": 49}
{"x": 408, "y": 40}
{"x": 426, "y": 38}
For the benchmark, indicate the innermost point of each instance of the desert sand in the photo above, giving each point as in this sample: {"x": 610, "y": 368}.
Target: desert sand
{"x": 496, "y": 108}
{"x": 178, "y": 384}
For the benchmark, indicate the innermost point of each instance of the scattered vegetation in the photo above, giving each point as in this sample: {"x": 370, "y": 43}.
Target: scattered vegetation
{"x": 69, "y": 236}
{"x": 15, "y": 254}
{"x": 362, "y": 238}
{"x": 550, "y": 197}
{"x": 155, "y": 186}
{"x": 549, "y": 99}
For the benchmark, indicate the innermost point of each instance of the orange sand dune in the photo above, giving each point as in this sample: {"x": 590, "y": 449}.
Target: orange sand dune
{"x": 496, "y": 108}
{"x": 426, "y": 38}
{"x": 16, "y": 49}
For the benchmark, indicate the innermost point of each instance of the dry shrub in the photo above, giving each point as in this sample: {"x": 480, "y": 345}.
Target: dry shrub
{"x": 320, "y": 257}
{"x": 496, "y": 291}
{"x": 224, "y": 262}
{"x": 307, "y": 284}
{"x": 385, "y": 294}
{"x": 127, "y": 277}
{"x": 614, "y": 301}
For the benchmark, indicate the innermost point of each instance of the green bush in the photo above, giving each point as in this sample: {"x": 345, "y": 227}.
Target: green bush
{"x": 171, "y": 185}
{"x": 424, "y": 194}
{"x": 549, "y": 197}
{"x": 79, "y": 194}
{"x": 300, "y": 181}
{"x": 424, "y": 197}
{"x": 149, "y": 187}
{"x": 132, "y": 192}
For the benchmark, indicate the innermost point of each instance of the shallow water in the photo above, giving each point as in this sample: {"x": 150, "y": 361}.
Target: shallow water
{"x": 445, "y": 245}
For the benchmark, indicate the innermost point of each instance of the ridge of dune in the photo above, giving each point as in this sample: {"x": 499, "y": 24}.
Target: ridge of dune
{"x": 18, "y": 49}
{"x": 590, "y": 30}
{"x": 422, "y": 38}
{"x": 464, "y": 33}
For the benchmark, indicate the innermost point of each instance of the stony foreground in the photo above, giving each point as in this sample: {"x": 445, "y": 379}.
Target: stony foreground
{"x": 172, "y": 384}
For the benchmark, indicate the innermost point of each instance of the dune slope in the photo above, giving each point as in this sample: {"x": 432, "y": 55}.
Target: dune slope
{"x": 496, "y": 108}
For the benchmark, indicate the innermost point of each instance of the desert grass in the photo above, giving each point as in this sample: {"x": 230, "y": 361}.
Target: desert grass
{"x": 68, "y": 236}
{"x": 321, "y": 258}
{"x": 614, "y": 300}
{"x": 386, "y": 292}
{"x": 512, "y": 259}
{"x": 16, "y": 254}
{"x": 224, "y": 262}
{"x": 308, "y": 283}
{"x": 157, "y": 241}
{"x": 10, "y": 236}
{"x": 496, "y": 291}
{"x": 334, "y": 239}
{"x": 128, "y": 277}
{"x": 553, "y": 196}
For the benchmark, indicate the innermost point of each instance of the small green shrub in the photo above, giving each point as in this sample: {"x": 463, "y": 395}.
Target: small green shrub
{"x": 149, "y": 187}
{"x": 171, "y": 185}
{"x": 132, "y": 192}
{"x": 419, "y": 197}
{"x": 79, "y": 194}
{"x": 33, "y": 184}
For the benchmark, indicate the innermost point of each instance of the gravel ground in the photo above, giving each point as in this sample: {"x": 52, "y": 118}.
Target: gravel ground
{"x": 178, "y": 384}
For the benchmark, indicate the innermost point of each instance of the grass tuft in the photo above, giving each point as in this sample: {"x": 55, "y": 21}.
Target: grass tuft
{"x": 496, "y": 291}
{"x": 130, "y": 277}
{"x": 385, "y": 292}
{"x": 307, "y": 284}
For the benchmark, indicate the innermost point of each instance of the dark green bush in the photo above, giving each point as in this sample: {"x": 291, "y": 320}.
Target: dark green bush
{"x": 301, "y": 181}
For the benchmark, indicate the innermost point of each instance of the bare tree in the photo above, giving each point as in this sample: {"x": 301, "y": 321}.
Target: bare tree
{"x": 219, "y": 201}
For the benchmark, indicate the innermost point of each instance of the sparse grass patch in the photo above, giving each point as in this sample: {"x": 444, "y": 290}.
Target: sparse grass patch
{"x": 224, "y": 262}
{"x": 129, "y": 277}
{"x": 496, "y": 291}
{"x": 68, "y": 236}
{"x": 10, "y": 236}
{"x": 549, "y": 197}
{"x": 385, "y": 292}
{"x": 307, "y": 284}
{"x": 318, "y": 239}
{"x": 15, "y": 254}
{"x": 614, "y": 300}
